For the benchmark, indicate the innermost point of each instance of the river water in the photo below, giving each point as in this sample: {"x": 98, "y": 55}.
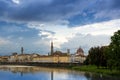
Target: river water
{"x": 41, "y": 73}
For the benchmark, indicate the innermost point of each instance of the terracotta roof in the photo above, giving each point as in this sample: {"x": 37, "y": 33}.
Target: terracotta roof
{"x": 59, "y": 53}
{"x": 80, "y": 52}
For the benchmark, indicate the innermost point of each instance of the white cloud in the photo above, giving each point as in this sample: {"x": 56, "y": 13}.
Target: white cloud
{"x": 61, "y": 31}
{"x": 46, "y": 34}
{"x": 103, "y": 28}
{"x": 16, "y": 1}
{"x": 99, "y": 33}
{"x": 86, "y": 42}
{"x": 4, "y": 41}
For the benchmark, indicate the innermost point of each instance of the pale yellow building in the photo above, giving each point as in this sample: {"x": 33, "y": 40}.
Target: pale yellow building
{"x": 4, "y": 58}
{"x": 55, "y": 59}
{"x": 22, "y": 57}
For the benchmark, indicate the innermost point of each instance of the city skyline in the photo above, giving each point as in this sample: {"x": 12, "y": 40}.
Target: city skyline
{"x": 70, "y": 24}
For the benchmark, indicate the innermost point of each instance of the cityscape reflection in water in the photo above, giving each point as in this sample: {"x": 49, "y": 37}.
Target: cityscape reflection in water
{"x": 41, "y": 73}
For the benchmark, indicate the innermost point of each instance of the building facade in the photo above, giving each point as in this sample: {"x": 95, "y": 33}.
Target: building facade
{"x": 55, "y": 57}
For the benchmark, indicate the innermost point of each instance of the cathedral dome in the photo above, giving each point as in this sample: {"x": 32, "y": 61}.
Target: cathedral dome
{"x": 80, "y": 52}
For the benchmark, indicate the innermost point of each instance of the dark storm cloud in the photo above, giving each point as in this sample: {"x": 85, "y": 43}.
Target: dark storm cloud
{"x": 107, "y": 9}
{"x": 4, "y": 5}
{"x": 34, "y": 10}
{"x": 52, "y": 10}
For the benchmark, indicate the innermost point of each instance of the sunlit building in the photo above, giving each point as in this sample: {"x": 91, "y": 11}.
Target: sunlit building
{"x": 78, "y": 56}
{"x": 54, "y": 57}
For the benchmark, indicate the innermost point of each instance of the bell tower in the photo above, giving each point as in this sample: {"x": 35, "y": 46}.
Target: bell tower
{"x": 52, "y": 48}
{"x": 22, "y": 50}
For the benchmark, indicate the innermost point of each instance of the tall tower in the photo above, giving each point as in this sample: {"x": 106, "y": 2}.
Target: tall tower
{"x": 52, "y": 48}
{"x": 22, "y": 50}
{"x": 68, "y": 51}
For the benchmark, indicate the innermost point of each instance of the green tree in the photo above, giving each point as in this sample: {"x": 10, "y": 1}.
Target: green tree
{"x": 94, "y": 56}
{"x": 113, "y": 54}
{"x": 97, "y": 56}
{"x": 103, "y": 58}
{"x": 106, "y": 55}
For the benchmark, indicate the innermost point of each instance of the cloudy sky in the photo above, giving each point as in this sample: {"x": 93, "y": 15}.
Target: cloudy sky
{"x": 70, "y": 24}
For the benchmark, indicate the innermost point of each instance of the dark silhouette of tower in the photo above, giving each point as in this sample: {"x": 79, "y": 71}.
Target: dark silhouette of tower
{"x": 52, "y": 48}
{"x": 68, "y": 51}
{"x": 22, "y": 50}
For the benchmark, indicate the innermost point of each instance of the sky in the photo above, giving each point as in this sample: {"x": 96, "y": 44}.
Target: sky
{"x": 70, "y": 24}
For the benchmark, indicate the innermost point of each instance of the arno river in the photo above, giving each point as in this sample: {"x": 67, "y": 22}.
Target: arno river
{"x": 40, "y": 73}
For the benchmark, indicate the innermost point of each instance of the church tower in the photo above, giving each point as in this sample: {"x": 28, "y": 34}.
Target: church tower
{"x": 22, "y": 50}
{"x": 68, "y": 51}
{"x": 52, "y": 48}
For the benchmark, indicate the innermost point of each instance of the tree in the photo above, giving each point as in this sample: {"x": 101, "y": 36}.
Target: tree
{"x": 94, "y": 56}
{"x": 106, "y": 55}
{"x": 113, "y": 54}
{"x": 97, "y": 56}
{"x": 103, "y": 59}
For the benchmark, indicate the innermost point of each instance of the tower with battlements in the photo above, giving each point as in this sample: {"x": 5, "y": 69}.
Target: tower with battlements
{"x": 22, "y": 50}
{"x": 52, "y": 51}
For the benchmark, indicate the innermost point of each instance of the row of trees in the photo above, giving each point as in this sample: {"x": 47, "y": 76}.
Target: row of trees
{"x": 106, "y": 56}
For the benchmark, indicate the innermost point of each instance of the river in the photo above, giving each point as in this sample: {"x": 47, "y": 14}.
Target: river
{"x": 41, "y": 73}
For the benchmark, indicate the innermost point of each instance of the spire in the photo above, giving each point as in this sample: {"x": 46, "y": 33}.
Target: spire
{"x": 22, "y": 50}
{"x": 52, "y": 48}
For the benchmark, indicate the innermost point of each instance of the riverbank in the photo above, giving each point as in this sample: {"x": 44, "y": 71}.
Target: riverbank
{"x": 94, "y": 69}
{"x": 72, "y": 66}
{"x": 42, "y": 64}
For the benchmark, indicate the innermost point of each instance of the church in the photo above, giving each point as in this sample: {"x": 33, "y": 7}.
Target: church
{"x": 53, "y": 57}
{"x": 60, "y": 57}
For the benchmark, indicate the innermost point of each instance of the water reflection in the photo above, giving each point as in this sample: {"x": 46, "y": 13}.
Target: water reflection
{"x": 41, "y": 73}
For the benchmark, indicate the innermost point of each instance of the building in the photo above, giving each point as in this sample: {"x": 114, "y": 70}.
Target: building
{"x": 22, "y": 57}
{"x": 78, "y": 56}
{"x": 4, "y": 58}
{"x": 54, "y": 57}
{"x": 22, "y": 49}
{"x": 13, "y": 57}
{"x": 52, "y": 50}
{"x": 79, "y": 51}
